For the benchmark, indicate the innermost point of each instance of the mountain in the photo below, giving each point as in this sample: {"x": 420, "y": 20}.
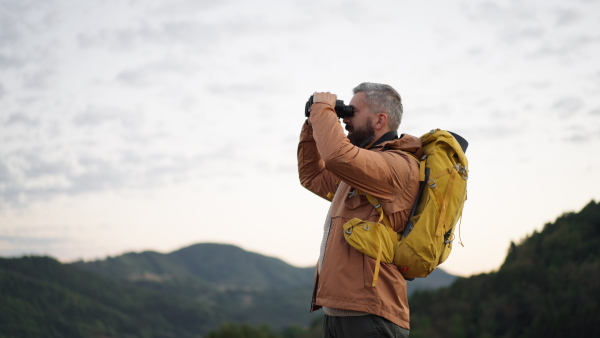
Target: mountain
{"x": 243, "y": 286}
{"x": 207, "y": 268}
{"x": 40, "y": 297}
{"x": 253, "y": 287}
{"x": 219, "y": 265}
{"x": 548, "y": 286}
{"x": 437, "y": 279}
{"x": 184, "y": 293}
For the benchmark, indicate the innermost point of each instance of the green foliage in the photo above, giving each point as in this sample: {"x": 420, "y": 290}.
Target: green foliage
{"x": 240, "y": 285}
{"x": 247, "y": 287}
{"x": 548, "y": 286}
{"x": 315, "y": 330}
{"x": 40, "y": 297}
{"x": 242, "y": 331}
{"x": 244, "y": 286}
{"x": 149, "y": 294}
{"x": 231, "y": 330}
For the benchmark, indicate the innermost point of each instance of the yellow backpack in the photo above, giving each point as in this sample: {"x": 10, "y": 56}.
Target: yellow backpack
{"x": 426, "y": 240}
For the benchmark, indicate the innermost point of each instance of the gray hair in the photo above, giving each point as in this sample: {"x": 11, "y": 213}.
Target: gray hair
{"x": 383, "y": 98}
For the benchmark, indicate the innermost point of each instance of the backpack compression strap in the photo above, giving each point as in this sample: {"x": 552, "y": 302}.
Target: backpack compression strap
{"x": 442, "y": 200}
{"x": 386, "y": 222}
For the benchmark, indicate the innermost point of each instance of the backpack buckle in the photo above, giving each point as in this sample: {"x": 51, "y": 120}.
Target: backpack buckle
{"x": 432, "y": 183}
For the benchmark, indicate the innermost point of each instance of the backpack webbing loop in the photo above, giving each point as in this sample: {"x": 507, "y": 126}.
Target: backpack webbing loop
{"x": 444, "y": 205}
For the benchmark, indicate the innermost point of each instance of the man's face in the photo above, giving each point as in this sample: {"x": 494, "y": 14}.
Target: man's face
{"x": 360, "y": 125}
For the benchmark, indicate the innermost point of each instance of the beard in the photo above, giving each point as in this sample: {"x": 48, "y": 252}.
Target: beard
{"x": 361, "y": 137}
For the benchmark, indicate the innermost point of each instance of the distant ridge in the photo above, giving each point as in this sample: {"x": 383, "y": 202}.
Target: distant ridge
{"x": 240, "y": 286}
{"x": 184, "y": 293}
{"x": 40, "y": 297}
{"x": 548, "y": 286}
{"x": 225, "y": 266}
{"x": 219, "y": 264}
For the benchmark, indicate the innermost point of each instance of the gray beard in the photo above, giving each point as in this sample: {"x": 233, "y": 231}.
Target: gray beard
{"x": 361, "y": 138}
{"x": 361, "y": 142}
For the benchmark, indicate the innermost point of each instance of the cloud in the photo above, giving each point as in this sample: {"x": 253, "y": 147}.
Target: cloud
{"x": 143, "y": 33}
{"x": 7, "y": 62}
{"x": 31, "y": 241}
{"x": 11, "y": 246}
{"x": 20, "y": 24}
{"x": 577, "y": 138}
{"x": 95, "y": 115}
{"x": 496, "y": 131}
{"x": 4, "y": 174}
{"x": 583, "y": 132}
{"x": 10, "y": 30}
{"x": 21, "y": 119}
{"x": 568, "y": 106}
{"x": 155, "y": 73}
{"x": 571, "y": 45}
{"x": 40, "y": 78}
{"x": 29, "y": 176}
{"x": 135, "y": 92}
{"x": 238, "y": 89}
{"x": 566, "y": 16}
{"x": 534, "y": 31}
{"x": 26, "y": 175}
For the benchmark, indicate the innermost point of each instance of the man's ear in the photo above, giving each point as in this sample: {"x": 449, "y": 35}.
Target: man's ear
{"x": 380, "y": 121}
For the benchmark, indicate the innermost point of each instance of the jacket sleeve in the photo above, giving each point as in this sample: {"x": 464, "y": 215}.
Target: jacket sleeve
{"x": 375, "y": 172}
{"x": 311, "y": 167}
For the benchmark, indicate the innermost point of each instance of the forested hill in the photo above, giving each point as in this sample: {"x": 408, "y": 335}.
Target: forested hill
{"x": 181, "y": 294}
{"x": 184, "y": 293}
{"x": 226, "y": 266}
{"x": 221, "y": 266}
{"x": 40, "y": 297}
{"x": 548, "y": 286}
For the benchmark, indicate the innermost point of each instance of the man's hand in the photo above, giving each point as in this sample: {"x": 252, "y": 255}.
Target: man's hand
{"x": 325, "y": 97}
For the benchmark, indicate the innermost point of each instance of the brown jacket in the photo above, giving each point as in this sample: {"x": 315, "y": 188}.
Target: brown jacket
{"x": 325, "y": 158}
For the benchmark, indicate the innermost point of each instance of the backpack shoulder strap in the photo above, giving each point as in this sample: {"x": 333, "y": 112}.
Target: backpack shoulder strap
{"x": 383, "y": 217}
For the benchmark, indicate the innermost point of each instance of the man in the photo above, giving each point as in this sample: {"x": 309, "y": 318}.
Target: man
{"x": 372, "y": 159}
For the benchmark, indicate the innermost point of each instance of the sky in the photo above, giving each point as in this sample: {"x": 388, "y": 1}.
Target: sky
{"x": 154, "y": 125}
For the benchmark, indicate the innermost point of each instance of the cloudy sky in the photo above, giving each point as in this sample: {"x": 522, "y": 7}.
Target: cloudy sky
{"x": 152, "y": 125}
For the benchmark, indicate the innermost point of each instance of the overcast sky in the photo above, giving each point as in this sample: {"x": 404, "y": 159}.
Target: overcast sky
{"x": 155, "y": 124}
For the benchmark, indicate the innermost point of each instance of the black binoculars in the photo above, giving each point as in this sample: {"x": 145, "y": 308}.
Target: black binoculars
{"x": 341, "y": 109}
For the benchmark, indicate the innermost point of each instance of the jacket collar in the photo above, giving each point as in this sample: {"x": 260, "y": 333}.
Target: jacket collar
{"x": 389, "y": 136}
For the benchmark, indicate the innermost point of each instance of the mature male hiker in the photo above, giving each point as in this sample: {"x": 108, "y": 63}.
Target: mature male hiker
{"x": 361, "y": 296}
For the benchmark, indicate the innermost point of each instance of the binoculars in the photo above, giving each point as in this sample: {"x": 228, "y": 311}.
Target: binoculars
{"x": 341, "y": 109}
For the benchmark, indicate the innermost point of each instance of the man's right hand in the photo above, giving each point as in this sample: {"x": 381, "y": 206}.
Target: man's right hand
{"x": 326, "y": 97}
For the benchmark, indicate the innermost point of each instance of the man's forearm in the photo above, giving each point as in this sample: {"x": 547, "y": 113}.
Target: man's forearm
{"x": 311, "y": 168}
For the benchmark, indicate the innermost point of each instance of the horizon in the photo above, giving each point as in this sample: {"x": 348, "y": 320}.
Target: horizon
{"x": 93, "y": 259}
